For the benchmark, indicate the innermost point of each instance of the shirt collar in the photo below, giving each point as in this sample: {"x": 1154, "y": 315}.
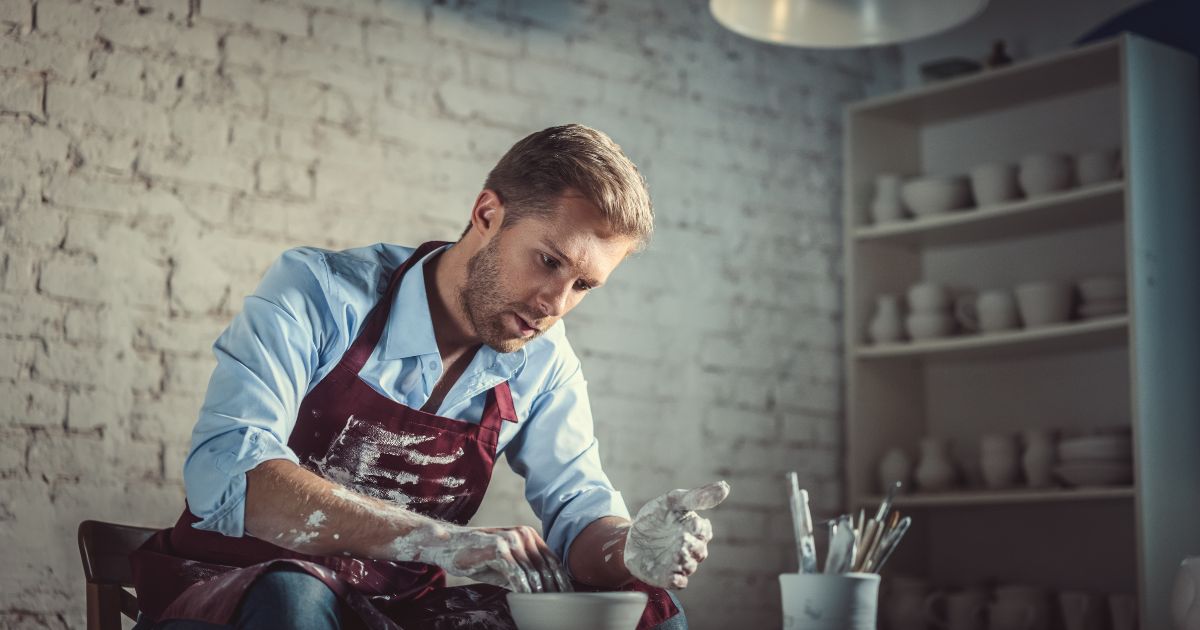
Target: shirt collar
{"x": 409, "y": 330}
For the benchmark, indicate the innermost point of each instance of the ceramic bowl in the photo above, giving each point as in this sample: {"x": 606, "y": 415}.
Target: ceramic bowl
{"x": 1102, "y": 288}
{"x": 935, "y": 195}
{"x": 995, "y": 182}
{"x": 1096, "y": 447}
{"x": 579, "y": 611}
{"x": 1045, "y": 173}
{"x": 928, "y": 325}
{"x": 1095, "y": 473}
{"x": 1102, "y": 308}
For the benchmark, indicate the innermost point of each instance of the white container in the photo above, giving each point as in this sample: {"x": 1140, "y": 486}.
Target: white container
{"x": 999, "y": 461}
{"x": 887, "y": 325}
{"x": 1037, "y": 460}
{"x": 928, "y": 297}
{"x": 1045, "y": 173}
{"x": 895, "y": 466}
{"x": 995, "y": 182}
{"x": 1094, "y": 167}
{"x": 935, "y": 470}
{"x": 990, "y": 311}
{"x": 829, "y": 602}
{"x": 579, "y": 611}
{"x": 935, "y": 195}
{"x": 1042, "y": 303}
{"x": 886, "y": 207}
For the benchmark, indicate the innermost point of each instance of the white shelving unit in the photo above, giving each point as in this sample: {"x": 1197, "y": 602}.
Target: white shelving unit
{"x": 1141, "y": 369}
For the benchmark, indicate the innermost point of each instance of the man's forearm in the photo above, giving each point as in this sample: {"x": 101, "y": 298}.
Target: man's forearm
{"x": 597, "y": 554}
{"x": 293, "y": 508}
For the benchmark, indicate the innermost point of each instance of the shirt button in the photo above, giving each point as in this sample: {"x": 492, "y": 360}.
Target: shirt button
{"x": 433, "y": 365}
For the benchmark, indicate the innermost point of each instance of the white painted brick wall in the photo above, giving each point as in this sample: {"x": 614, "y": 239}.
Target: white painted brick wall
{"x": 156, "y": 155}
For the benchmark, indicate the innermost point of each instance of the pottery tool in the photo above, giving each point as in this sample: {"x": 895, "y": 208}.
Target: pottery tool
{"x": 881, "y": 541}
{"x": 890, "y": 544}
{"x": 806, "y": 550}
{"x": 841, "y": 547}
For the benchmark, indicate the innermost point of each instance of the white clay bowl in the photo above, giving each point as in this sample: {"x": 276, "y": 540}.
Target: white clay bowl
{"x": 578, "y": 611}
{"x": 1095, "y": 473}
{"x": 1098, "y": 288}
{"x": 1096, "y": 447}
{"x": 935, "y": 195}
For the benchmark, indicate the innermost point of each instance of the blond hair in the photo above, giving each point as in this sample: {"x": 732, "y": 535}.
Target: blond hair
{"x": 537, "y": 170}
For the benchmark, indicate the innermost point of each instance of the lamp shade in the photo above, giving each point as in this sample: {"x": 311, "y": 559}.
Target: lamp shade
{"x": 841, "y": 23}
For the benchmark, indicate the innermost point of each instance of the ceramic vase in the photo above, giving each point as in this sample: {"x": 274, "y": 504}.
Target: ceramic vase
{"x": 886, "y": 326}
{"x": 935, "y": 470}
{"x": 999, "y": 461}
{"x": 895, "y": 466}
{"x": 886, "y": 205}
{"x": 1038, "y": 459}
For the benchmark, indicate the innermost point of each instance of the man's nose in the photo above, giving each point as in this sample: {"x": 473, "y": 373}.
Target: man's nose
{"x": 552, "y": 301}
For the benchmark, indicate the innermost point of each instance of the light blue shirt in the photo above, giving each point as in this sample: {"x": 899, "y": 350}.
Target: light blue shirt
{"x": 294, "y": 329}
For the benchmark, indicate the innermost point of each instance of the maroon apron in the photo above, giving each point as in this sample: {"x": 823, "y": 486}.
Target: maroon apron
{"x": 348, "y": 433}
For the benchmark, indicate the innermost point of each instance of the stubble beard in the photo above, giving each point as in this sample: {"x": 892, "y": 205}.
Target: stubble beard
{"x": 482, "y": 299}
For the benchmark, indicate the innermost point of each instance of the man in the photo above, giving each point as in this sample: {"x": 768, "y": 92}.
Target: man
{"x": 362, "y": 397}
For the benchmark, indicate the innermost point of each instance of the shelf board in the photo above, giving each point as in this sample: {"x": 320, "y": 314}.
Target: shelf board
{"x": 1069, "y": 209}
{"x": 1097, "y": 332}
{"x": 1001, "y": 497}
{"x": 1058, "y": 75}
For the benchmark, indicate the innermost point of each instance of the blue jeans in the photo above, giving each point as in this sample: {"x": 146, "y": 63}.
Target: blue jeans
{"x": 293, "y": 599}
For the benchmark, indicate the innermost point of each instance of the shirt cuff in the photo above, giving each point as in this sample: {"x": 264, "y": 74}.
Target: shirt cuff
{"x": 583, "y": 510}
{"x": 215, "y": 476}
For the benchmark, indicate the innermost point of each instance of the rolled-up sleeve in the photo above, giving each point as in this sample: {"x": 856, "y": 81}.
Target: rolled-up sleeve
{"x": 559, "y": 457}
{"x": 265, "y": 362}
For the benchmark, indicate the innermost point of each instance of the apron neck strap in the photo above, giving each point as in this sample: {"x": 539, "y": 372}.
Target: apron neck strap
{"x": 358, "y": 353}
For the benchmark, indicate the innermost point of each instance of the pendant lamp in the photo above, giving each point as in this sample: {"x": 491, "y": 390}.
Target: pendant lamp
{"x": 841, "y": 23}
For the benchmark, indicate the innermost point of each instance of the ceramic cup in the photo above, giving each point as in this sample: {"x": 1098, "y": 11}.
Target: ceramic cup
{"x": 964, "y": 610}
{"x": 904, "y": 603}
{"x": 995, "y": 182}
{"x": 829, "y": 602}
{"x": 1036, "y": 599}
{"x": 928, "y": 297}
{"x": 989, "y": 311}
{"x": 1045, "y": 173}
{"x": 886, "y": 206}
{"x": 1080, "y": 610}
{"x": 1042, "y": 303}
{"x": 999, "y": 460}
{"x": 922, "y": 326}
{"x": 1010, "y": 615}
{"x": 1094, "y": 167}
{"x": 1123, "y": 611}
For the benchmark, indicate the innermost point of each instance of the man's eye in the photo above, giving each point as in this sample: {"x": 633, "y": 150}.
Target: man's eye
{"x": 549, "y": 262}
{"x": 582, "y": 286}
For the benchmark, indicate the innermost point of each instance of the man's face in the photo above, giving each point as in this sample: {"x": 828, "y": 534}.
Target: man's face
{"x": 532, "y": 273}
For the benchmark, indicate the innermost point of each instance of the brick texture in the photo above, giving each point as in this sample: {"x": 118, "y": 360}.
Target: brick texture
{"x": 157, "y": 155}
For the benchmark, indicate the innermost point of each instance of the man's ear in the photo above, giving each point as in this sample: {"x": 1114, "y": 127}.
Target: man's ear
{"x": 487, "y": 214}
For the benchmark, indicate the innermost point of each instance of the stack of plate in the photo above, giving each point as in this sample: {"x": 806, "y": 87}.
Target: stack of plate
{"x": 1098, "y": 459}
{"x": 1102, "y": 296}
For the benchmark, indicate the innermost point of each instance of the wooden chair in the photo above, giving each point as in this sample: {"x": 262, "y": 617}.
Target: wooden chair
{"x": 105, "y": 548}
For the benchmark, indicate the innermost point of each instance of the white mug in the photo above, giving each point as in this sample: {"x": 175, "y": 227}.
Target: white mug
{"x": 1080, "y": 610}
{"x": 989, "y": 311}
{"x": 816, "y": 601}
{"x": 995, "y": 182}
{"x": 1094, "y": 167}
{"x": 1042, "y": 303}
{"x": 1011, "y": 615}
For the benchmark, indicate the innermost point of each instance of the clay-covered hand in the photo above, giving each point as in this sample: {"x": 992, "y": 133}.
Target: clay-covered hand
{"x": 668, "y": 540}
{"x": 513, "y": 557}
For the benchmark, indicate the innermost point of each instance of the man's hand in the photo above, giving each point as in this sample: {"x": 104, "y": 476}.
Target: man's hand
{"x": 668, "y": 540}
{"x": 513, "y": 557}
